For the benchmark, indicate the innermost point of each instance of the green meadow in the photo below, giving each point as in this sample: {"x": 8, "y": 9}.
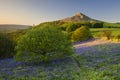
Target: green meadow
{"x": 97, "y": 31}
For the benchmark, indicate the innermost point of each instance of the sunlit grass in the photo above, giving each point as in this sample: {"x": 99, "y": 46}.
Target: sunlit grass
{"x": 97, "y": 32}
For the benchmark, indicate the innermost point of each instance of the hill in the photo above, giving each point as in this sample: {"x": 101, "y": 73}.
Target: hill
{"x": 79, "y": 17}
{"x": 75, "y": 21}
{"x": 12, "y": 27}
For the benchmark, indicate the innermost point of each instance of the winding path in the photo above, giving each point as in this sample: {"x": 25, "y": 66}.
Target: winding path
{"x": 91, "y": 42}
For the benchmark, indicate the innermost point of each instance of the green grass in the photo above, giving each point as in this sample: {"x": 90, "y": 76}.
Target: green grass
{"x": 111, "y": 25}
{"x": 96, "y": 32}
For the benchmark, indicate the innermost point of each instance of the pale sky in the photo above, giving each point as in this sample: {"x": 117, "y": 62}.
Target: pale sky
{"x": 30, "y": 12}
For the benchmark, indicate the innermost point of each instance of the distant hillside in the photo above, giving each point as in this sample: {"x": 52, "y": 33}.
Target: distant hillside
{"x": 12, "y": 27}
{"x": 79, "y": 17}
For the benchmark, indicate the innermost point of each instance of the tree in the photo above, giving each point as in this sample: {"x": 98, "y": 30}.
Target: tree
{"x": 6, "y": 46}
{"x": 97, "y": 25}
{"x": 107, "y": 34}
{"x": 70, "y": 27}
{"x": 43, "y": 44}
{"x": 117, "y": 36}
{"x": 82, "y": 33}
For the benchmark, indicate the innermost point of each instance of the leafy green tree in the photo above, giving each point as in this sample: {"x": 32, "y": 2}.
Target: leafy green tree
{"x": 82, "y": 33}
{"x": 97, "y": 24}
{"x": 70, "y": 27}
{"x": 6, "y": 46}
{"x": 79, "y": 24}
{"x": 43, "y": 44}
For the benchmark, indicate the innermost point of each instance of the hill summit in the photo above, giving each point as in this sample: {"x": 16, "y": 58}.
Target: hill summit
{"x": 79, "y": 17}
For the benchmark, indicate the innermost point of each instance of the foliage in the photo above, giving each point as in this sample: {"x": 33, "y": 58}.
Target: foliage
{"x": 17, "y": 34}
{"x": 96, "y": 32}
{"x": 6, "y": 46}
{"x": 97, "y": 25}
{"x": 72, "y": 26}
{"x": 107, "y": 34}
{"x": 117, "y": 36}
{"x": 111, "y": 25}
{"x": 43, "y": 44}
{"x": 82, "y": 33}
{"x": 100, "y": 62}
{"x": 57, "y": 24}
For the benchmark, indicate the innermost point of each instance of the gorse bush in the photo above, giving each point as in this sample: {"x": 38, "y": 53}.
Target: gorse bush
{"x": 43, "y": 44}
{"x": 81, "y": 34}
{"x": 6, "y": 46}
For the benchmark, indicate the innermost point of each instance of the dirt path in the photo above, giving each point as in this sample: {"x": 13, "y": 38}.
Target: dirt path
{"x": 90, "y": 43}
{"x": 87, "y": 45}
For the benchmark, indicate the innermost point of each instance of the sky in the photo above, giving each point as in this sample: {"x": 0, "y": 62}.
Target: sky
{"x": 31, "y": 12}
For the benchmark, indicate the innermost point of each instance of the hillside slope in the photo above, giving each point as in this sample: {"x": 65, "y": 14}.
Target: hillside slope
{"x": 6, "y": 28}
{"x": 79, "y": 17}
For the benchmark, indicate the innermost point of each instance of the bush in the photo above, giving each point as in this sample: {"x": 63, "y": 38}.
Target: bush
{"x": 43, "y": 44}
{"x": 6, "y": 46}
{"x": 82, "y": 33}
{"x": 107, "y": 34}
{"x": 117, "y": 37}
{"x": 97, "y": 25}
{"x": 15, "y": 36}
{"x": 71, "y": 27}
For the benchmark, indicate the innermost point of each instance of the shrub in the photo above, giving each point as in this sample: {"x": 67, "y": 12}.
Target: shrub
{"x": 6, "y": 46}
{"x": 15, "y": 36}
{"x": 82, "y": 33}
{"x": 43, "y": 44}
{"x": 97, "y": 25}
{"x": 107, "y": 34}
{"x": 71, "y": 27}
{"x": 117, "y": 37}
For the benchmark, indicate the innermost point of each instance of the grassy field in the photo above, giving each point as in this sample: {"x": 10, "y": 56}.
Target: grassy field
{"x": 112, "y": 25}
{"x": 99, "y": 62}
{"x": 96, "y": 32}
